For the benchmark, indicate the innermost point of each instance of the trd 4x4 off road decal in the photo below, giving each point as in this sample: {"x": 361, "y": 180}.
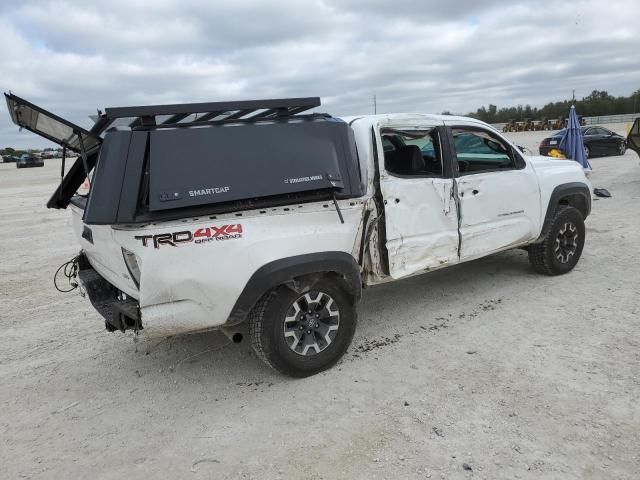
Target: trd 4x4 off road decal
{"x": 199, "y": 235}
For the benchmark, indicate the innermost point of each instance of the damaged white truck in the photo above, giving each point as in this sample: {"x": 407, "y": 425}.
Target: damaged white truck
{"x": 210, "y": 215}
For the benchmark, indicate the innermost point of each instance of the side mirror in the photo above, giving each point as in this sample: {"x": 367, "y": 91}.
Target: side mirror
{"x": 633, "y": 139}
{"x": 611, "y": 134}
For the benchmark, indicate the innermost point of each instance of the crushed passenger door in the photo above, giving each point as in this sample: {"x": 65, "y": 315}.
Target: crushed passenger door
{"x": 420, "y": 209}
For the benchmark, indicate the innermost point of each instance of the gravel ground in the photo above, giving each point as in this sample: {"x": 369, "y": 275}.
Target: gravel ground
{"x": 482, "y": 370}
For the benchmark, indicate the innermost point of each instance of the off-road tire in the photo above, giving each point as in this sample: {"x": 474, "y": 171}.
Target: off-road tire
{"x": 266, "y": 326}
{"x": 543, "y": 256}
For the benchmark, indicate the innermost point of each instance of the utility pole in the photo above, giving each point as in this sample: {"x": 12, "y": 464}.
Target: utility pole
{"x": 573, "y": 96}
{"x": 375, "y": 105}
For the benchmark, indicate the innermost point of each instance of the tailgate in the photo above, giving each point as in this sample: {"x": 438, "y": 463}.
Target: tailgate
{"x": 104, "y": 253}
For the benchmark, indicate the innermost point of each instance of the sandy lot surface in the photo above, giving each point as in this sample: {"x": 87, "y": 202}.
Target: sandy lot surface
{"x": 486, "y": 364}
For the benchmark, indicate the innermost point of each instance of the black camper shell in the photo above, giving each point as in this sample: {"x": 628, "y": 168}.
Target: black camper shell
{"x": 166, "y": 162}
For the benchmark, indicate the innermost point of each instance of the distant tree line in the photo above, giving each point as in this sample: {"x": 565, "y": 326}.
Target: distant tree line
{"x": 12, "y": 152}
{"x": 598, "y": 103}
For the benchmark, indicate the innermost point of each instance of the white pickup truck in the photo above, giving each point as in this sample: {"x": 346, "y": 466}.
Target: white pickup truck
{"x": 210, "y": 215}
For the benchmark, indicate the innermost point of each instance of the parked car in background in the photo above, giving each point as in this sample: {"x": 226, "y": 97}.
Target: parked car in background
{"x": 9, "y": 158}
{"x": 598, "y": 141}
{"x": 633, "y": 139}
{"x": 27, "y": 160}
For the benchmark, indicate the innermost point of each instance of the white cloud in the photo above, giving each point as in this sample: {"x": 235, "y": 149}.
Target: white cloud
{"x": 75, "y": 56}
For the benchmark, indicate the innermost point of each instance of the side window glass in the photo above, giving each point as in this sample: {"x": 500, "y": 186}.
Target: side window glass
{"x": 478, "y": 151}
{"x": 387, "y": 146}
{"x": 412, "y": 153}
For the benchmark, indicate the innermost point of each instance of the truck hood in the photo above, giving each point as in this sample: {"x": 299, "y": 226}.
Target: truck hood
{"x": 540, "y": 162}
{"x": 558, "y": 167}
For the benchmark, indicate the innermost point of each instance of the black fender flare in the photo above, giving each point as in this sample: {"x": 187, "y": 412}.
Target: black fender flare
{"x": 287, "y": 270}
{"x": 566, "y": 190}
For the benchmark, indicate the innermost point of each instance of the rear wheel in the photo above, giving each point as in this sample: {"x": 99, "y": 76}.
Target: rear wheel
{"x": 303, "y": 333}
{"x": 587, "y": 151}
{"x": 562, "y": 247}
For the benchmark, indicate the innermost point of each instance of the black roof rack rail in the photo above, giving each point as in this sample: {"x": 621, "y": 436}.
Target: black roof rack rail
{"x": 245, "y": 110}
{"x": 61, "y": 131}
{"x": 226, "y": 120}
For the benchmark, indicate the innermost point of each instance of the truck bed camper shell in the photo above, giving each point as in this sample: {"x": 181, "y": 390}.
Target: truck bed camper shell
{"x": 162, "y": 162}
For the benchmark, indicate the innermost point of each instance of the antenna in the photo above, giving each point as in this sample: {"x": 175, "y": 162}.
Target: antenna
{"x": 375, "y": 105}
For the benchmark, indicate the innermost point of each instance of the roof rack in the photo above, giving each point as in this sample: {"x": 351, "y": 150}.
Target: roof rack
{"x": 211, "y": 112}
{"x": 67, "y": 134}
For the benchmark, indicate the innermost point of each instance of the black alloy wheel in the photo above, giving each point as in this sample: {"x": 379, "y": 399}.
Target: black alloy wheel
{"x": 311, "y": 323}
{"x": 560, "y": 249}
{"x": 566, "y": 244}
{"x": 301, "y": 333}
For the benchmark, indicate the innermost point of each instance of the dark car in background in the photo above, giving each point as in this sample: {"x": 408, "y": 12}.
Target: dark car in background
{"x": 597, "y": 141}
{"x": 27, "y": 161}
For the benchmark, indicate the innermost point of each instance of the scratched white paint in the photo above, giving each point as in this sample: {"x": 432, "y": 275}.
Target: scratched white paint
{"x": 498, "y": 210}
{"x": 197, "y": 285}
{"x": 422, "y": 226}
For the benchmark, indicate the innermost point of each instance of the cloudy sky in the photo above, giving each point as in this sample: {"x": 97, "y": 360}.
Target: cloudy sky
{"x": 73, "y": 57}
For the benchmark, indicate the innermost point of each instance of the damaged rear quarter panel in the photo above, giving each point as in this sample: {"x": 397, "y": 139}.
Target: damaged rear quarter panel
{"x": 203, "y": 281}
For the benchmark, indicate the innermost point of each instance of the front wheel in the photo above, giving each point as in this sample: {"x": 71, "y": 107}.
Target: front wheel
{"x": 587, "y": 151}
{"x": 622, "y": 148}
{"x": 303, "y": 333}
{"x": 562, "y": 246}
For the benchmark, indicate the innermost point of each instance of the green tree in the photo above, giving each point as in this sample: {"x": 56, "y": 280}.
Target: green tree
{"x": 597, "y": 103}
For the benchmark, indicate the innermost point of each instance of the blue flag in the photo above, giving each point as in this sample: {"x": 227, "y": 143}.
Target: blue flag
{"x": 572, "y": 144}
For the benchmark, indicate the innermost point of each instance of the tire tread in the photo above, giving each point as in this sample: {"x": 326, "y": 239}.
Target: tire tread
{"x": 261, "y": 321}
{"x": 256, "y": 326}
{"x": 538, "y": 252}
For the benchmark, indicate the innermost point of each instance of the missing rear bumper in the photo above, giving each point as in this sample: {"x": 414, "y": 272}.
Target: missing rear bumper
{"x": 119, "y": 311}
